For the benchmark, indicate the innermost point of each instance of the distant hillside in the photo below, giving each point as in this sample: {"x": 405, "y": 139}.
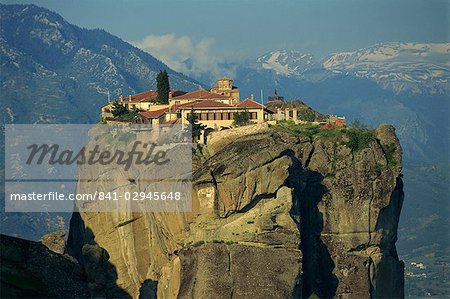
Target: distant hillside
{"x": 56, "y": 72}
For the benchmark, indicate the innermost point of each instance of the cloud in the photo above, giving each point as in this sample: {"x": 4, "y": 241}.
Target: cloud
{"x": 183, "y": 54}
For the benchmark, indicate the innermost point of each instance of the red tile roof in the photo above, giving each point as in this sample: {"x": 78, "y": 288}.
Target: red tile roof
{"x": 154, "y": 114}
{"x": 200, "y": 95}
{"x": 151, "y": 95}
{"x": 169, "y": 122}
{"x": 247, "y": 103}
{"x": 177, "y": 93}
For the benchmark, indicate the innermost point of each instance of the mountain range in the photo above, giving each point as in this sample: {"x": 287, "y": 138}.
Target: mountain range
{"x": 56, "y": 72}
{"x": 417, "y": 68}
{"x": 406, "y": 84}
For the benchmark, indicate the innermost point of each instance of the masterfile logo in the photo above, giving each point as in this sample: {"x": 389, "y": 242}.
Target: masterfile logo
{"x": 96, "y": 156}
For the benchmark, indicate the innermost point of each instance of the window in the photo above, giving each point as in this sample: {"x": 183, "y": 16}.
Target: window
{"x": 210, "y": 116}
{"x": 218, "y": 116}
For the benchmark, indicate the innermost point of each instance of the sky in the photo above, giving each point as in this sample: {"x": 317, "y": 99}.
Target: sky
{"x": 239, "y": 29}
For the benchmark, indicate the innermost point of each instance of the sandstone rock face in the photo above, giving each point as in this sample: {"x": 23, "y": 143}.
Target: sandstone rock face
{"x": 350, "y": 221}
{"x": 237, "y": 270}
{"x": 274, "y": 215}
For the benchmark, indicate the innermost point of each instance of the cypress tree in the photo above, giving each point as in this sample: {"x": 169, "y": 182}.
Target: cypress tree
{"x": 163, "y": 87}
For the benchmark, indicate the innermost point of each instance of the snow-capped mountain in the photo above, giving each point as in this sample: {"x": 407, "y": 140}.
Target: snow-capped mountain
{"x": 401, "y": 67}
{"x": 403, "y": 84}
{"x": 287, "y": 63}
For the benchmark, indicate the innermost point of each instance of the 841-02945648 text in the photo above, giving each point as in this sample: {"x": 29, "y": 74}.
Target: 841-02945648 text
{"x": 152, "y": 195}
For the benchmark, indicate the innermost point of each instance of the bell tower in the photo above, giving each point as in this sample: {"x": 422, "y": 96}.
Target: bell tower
{"x": 225, "y": 87}
{"x": 225, "y": 83}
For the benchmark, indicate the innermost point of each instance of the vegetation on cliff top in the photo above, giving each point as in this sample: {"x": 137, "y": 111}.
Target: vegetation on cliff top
{"x": 356, "y": 137}
{"x": 359, "y": 136}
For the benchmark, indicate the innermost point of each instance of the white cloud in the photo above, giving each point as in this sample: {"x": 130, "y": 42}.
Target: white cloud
{"x": 183, "y": 54}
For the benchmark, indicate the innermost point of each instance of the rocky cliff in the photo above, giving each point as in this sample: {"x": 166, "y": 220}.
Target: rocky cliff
{"x": 31, "y": 270}
{"x": 275, "y": 214}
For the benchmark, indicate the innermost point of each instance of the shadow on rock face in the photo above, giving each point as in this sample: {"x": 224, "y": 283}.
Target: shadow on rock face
{"x": 317, "y": 272}
{"x": 148, "y": 289}
{"x": 100, "y": 273}
{"x": 30, "y": 270}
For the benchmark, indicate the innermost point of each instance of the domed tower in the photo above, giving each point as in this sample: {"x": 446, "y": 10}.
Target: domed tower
{"x": 225, "y": 87}
{"x": 225, "y": 83}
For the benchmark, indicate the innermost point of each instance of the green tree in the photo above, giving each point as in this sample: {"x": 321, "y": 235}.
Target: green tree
{"x": 359, "y": 135}
{"x": 132, "y": 113}
{"x": 163, "y": 87}
{"x": 197, "y": 128}
{"x": 118, "y": 109}
{"x": 241, "y": 118}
